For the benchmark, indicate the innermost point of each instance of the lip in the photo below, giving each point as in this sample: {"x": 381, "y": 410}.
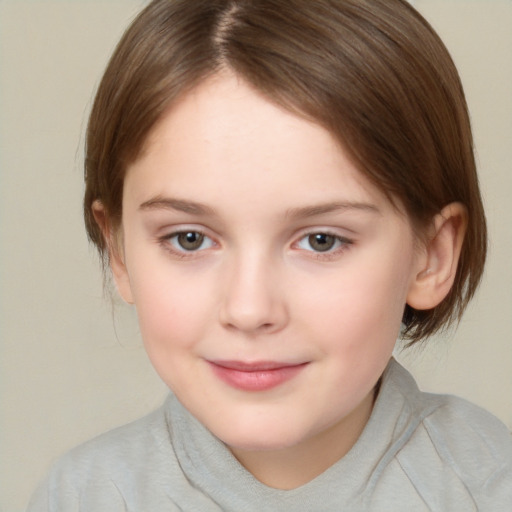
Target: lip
{"x": 255, "y": 376}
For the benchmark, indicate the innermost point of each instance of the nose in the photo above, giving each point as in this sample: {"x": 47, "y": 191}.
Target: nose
{"x": 253, "y": 297}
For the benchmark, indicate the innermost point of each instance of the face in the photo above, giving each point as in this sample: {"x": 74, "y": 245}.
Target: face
{"x": 268, "y": 275}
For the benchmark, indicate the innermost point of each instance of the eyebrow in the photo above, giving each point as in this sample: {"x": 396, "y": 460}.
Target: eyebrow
{"x": 167, "y": 203}
{"x": 194, "y": 208}
{"x": 333, "y": 207}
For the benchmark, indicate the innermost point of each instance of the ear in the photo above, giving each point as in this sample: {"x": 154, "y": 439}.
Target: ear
{"x": 437, "y": 264}
{"x": 115, "y": 252}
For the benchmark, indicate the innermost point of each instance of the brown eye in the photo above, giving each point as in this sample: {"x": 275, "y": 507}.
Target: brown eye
{"x": 187, "y": 242}
{"x": 190, "y": 241}
{"x": 321, "y": 242}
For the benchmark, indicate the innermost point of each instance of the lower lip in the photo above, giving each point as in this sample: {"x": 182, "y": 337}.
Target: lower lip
{"x": 256, "y": 380}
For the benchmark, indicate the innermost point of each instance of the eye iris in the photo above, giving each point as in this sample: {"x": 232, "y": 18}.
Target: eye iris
{"x": 321, "y": 242}
{"x": 191, "y": 240}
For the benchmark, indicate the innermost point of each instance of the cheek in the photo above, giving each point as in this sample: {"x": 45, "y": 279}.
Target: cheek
{"x": 172, "y": 319}
{"x": 360, "y": 310}
{"x": 170, "y": 307}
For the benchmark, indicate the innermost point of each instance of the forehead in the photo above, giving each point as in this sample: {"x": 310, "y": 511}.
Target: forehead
{"x": 224, "y": 137}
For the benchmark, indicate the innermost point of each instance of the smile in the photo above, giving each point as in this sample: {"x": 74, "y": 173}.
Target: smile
{"x": 258, "y": 376}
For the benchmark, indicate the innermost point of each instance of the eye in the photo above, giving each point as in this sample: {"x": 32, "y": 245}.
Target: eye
{"x": 190, "y": 241}
{"x": 322, "y": 242}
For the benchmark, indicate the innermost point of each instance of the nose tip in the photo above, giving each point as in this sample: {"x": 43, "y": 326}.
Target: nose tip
{"x": 253, "y": 318}
{"x": 253, "y": 303}
{"x": 249, "y": 322}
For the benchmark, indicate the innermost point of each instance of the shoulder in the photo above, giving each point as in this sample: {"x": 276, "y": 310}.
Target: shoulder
{"x": 106, "y": 472}
{"x": 471, "y": 440}
{"x": 458, "y": 444}
{"x": 121, "y": 447}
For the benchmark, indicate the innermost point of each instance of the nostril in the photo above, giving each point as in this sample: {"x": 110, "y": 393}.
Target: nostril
{"x": 251, "y": 304}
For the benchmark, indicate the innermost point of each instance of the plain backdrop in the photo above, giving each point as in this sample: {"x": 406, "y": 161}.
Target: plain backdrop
{"x": 71, "y": 365}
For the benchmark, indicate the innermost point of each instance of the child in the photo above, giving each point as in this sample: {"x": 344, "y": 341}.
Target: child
{"x": 281, "y": 188}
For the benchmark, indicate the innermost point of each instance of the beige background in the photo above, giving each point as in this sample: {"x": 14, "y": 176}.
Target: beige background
{"x": 69, "y": 367}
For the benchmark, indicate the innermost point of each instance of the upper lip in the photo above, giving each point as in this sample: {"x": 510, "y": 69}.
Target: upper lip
{"x": 256, "y": 366}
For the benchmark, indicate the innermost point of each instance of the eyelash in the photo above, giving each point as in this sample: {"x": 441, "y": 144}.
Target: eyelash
{"x": 342, "y": 244}
{"x": 166, "y": 241}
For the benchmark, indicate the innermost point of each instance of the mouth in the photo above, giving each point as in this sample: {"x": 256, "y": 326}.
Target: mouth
{"x": 255, "y": 376}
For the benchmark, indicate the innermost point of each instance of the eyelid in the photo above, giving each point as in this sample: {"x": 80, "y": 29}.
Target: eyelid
{"x": 331, "y": 231}
{"x": 344, "y": 243}
{"x": 204, "y": 239}
{"x": 165, "y": 240}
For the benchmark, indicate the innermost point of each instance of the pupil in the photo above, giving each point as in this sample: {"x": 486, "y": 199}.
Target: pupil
{"x": 321, "y": 242}
{"x": 190, "y": 241}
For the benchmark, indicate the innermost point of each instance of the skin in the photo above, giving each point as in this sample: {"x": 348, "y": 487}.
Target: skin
{"x": 258, "y": 183}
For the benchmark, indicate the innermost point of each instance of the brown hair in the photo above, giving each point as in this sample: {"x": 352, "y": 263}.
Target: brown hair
{"x": 373, "y": 72}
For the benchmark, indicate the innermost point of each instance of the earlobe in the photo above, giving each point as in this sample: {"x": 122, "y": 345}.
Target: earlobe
{"x": 115, "y": 256}
{"x": 437, "y": 265}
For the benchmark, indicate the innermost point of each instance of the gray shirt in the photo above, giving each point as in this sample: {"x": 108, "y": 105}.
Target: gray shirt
{"x": 418, "y": 452}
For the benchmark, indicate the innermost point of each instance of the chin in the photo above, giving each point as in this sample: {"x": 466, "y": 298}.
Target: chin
{"x": 262, "y": 439}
